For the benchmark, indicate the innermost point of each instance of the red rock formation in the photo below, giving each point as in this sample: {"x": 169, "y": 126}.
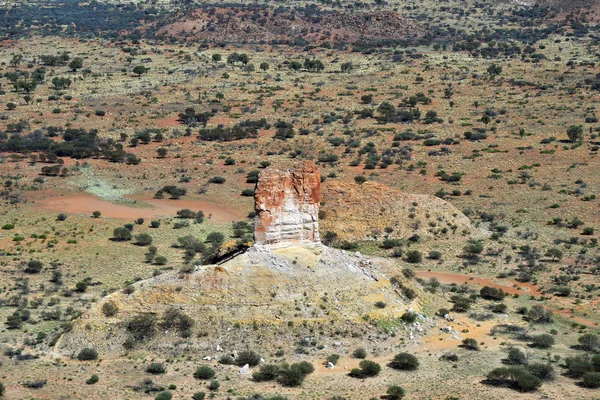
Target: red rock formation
{"x": 287, "y": 205}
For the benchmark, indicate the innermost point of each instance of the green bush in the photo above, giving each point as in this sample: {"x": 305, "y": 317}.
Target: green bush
{"x": 395, "y": 392}
{"x": 34, "y": 267}
{"x": 93, "y": 379}
{"x": 404, "y": 361}
{"x": 359, "y": 353}
{"x": 414, "y": 256}
{"x": 199, "y": 396}
{"x": 409, "y": 317}
{"x": 591, "y": 380}
{"x": 247, "y": 357}
{"x": 143, "y": 239}
{"x": 87, "y": 354}
{"x": 214, "y": 385}
{"x": 156, "y": 368}
{"x": 267, "y": 372}
{"x": 543, "y": 371}
{"x": 491, "y": 293}
{"x": 293, "y": 375}
{"x": 164, "y": 395}
{"x": 470, "y": 344}
{"x": 369, "y": 368}
{"x": 1, "y": 389}
{"x": 543, "y": 341}
{"x": 121, "y": 234}
{"x": 204, "y": 372}
{"x": 516, "y": 357}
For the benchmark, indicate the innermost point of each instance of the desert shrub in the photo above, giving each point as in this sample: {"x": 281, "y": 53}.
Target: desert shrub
{"x": 538, "y": 314}
{"x": 34, "y": 267}
{"x": 409, "y": 317}
{"x": 359, "y": 353}
{"x": 198, "y": 396}
{"x": 226, "y": 360}
{"x": 435, "y": 255}
{"x": 367, "y": 369}
{"x": 267, "y": 372}
{"x": 92, "y": 380}
{"x": 543, "y": 371}
{"x": 577, "y": 366}
{"x": 160, "y": 260}
{"x": 543, "y": 341}
{"x": 142, "y": 326}
{"x": 395, "y": 392}
{"x": 87, "y": 354}
{"x": 154, "y": 224}
{"x": 204, "y": 372}
{"x": 293, "y": 375}
{"x": 156, "y": 368}
{"x": 143, "y": 239}
{"x": 516, "y": 357}
{"x": 491, "y": 293}
{"x": 516, "y": 377}
{"x": 414, "y": 256}
{"x": 404, "y": 361}
{"x": 408, "y": 273}
{"x": 1, "y": 389}
{"x": 217, "y": 179}
{"x": 470, "y": 344}
{"x": 214, "y": 385}
{"x": 121, "y": 234}
{"x": 591, "y": 380}
{"x": 333, "y": 358}
{"x": 110, "y": 308}
{"x": 589, "y": 341}
{"x": 215, "y": 237}
{"x": 174, "y": 318}
{"x": 247, "y": 357}
{"x": 380, "y": 304}
{"x": 164, "y": 395}
{"x": 410, "y": 293}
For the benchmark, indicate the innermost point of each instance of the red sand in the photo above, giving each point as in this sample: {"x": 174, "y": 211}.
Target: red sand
{"x": 83, "y": 203}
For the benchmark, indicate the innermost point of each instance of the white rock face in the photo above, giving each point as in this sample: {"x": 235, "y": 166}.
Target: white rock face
{"x": 245, "y": 369}
{"x": 287, "y": 205}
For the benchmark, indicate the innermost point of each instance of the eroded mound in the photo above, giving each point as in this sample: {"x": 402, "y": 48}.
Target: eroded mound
{"x": 261, "y": 298}
{"x": 364, "y": 212}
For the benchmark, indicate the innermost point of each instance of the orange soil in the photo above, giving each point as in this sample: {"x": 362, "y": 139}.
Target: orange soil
{"x": 83, "y": 203}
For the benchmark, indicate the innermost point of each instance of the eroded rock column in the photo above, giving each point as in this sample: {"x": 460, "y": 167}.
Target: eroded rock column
{"x": 287, "y": 205}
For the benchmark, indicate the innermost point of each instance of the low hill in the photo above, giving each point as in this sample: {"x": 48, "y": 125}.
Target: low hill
{"x": 363, "y": 212}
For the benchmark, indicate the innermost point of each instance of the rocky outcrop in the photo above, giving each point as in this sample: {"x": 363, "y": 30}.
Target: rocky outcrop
{"x": 287, "y": 205}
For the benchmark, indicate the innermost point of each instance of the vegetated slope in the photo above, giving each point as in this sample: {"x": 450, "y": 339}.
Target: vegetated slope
{"x": 362, "y": 212}
{"x": 310, "y": 25}
{"x": 251, "y": 300}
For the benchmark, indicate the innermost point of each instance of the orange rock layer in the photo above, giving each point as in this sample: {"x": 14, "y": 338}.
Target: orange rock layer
{"x": 287, "y": 205}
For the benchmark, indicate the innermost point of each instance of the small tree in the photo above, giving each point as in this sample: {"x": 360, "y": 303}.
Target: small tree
{"x": 360, "y": 179}
{"x": 96, "y": 214}
{"x": 575, "y": 133}
{"x": 76, "y": 63}
{"x": 162, "y": 152}
{"x": 470, "y": 344}
{"x": 140, "y": 70}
